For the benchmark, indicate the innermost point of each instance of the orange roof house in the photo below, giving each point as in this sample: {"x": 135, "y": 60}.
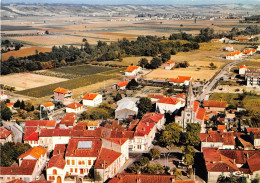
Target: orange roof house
{"x": 217, "y": 106}
{"x": 131, "y": 68}
{"x": 121, "y": 85}
{"x": 181, "y": 80}
{"x": 36, "y": 152}
{"x": 90, "y": 96}
{"x": 61, "y": 94}
{"x": 74, "y": 105}
{"x": 48, "y": 104}
{"x": 60, "y": 90}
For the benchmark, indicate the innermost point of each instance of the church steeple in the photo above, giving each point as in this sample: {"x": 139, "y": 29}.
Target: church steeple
{"x": 189, "y": 97}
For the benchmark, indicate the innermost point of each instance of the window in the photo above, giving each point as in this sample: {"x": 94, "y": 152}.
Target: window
{"x": 51, "y": 178}
{"x": 76, "y": 170}
{"x": 68, "y": 162}
{"x": 73, "y": 162}
{"x": 139, "y": 147}
{"x": 79, "y": 162}
{"x": 71, "y": 170}
{"x": 83, "y": 162}
{"x": 54, "y": 172}
{"x": 89, "y": 162}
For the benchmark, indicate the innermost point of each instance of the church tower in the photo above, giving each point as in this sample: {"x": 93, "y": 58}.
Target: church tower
{"x": 188, "y": 115}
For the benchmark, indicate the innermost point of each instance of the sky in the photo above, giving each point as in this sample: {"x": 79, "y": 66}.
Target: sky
{"x": 136, "y": 2}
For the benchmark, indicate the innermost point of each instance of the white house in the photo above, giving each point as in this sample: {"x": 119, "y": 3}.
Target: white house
{"x": 181, "y": 80}
{"x": 3, "y": 95}
{"x": 249, "y": 52}
{"x": 234, "y": 55}
{"x": 229, "y": 48}
{"x": 55, "y": 169}
{"x": 126, "y": 107}
{"x": 49, "y": 106}
{"x": 92, "y": 125}
{"x": 168, "y": 65}
{"x": 92, "y": 99}
{"x": 74, "y": 107}
{"x": 121, "y": 86}
{"x": 132, "y": 70}
{"x": 169, "y": 105}
{"x": 242, "y": 69}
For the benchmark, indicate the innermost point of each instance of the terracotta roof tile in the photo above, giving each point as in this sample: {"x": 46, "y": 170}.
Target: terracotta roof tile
{"x": 169, "y": 100}
{"x": 180, "y": 79}
{"x": 119, "y": 141}
{"x": 4, "y": 133}
{"x": 212, "y": 103}
{"x": 90, "y": 96}
{"x": 59, "y": 149}
{"x": 57, "y": 161}
{"x": 155, "y": 96}
{"x": 10, "y": 104}
{"x": 131, "y": 68}
{"x": 123, "y": 83}
{"x": 74, "y": 105}
{"x": 36, "y": 152}
{"x": 26, "y": 168}
{"x": 40, "y": 123}
{"x": 106, "y": 156}
{"x": 48, "y": 104}
{"x": 30, "y": 134}
{"x": 69, "y": 119}
{"x": 55, "y": 132}
{"x": 17, "y": 181}
{"x": 201, "y": 114}
{"x": 60, "y": 90}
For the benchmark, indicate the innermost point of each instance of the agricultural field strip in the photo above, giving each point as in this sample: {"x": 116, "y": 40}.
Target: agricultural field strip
{"x": 70, "y": 84}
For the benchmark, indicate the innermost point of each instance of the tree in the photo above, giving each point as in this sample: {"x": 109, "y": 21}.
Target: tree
{"x": 171, "y": 134}
{"x": 6, "y": 113}
{"x": 165, "y": 57}
{"x": 176, "y": 172}
{"x": 155, "y": 63}
{"x": 22, "y": 106}
{"x": 28, "y": 107}
{"x": 188, "y": 159}
{"x": 145, "y": 105}
{"x": 47, "y": 32}
{"x": 117, "y": 97}
{"x": 144, "y": 161}
{"x": 154, "y": 153}
{"x": 132, "y": 85}
{"x": 144, "y": 63}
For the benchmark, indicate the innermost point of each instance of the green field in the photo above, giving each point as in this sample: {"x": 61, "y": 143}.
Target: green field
{"x": 72, "y": 72}
{"x": 47, "y": 90}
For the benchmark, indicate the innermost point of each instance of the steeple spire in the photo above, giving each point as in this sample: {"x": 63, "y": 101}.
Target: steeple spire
{"x": 190, "y": 97}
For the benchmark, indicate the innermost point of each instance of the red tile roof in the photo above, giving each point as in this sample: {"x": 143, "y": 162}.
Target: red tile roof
{"x": 90, "y": 96}
{"x": 122, "y": 134}
{"x": 106, "y": 156}
{"x": 57, "y": 161}
{"x": 74, "y": 105}
{"x": 250, "y": 129}
{"x": 196, "y": 106}
{"x": 152, "y": 117}
{"x": 169, "y": 100}
{"x": 213, "y": 103}
{"x": 69, "y": 119}
{"x": 131, "y": 68}
{"x": 26, "y": 168}
{"x": 17, "y": 181}
{"x": 119, "y": 141}
{"x": 201, "y": 114}
{"x": 59, "y": 149}
{"x": 48, "y": 104}
{"x": 180, "y": 79}
{"x": 133, "y": 124}
{"x": 60, "y": 90}
{"x": 233, "y": 53}
{"x": 73, "y": 151}
{"x": 144, "y": 128}
{"x": 221, "y": 127}
{"x": 170, "y": 62}
{"x": 4, "y": 133}
{"x": 36, "y": 152}
{"x": 155, "y": 96}
{"x": 41, "y": 123}
{"x": 181, "y": 95}
{"x": 226, "y": 137}
{"x": 243, "y": 66}
{"x": 10, "y": 104}
{"x": 123, "y": 83}
{"x": 55, "y": 132}
{"x": 30, "y": 134}
{"x": 145, "y": 178}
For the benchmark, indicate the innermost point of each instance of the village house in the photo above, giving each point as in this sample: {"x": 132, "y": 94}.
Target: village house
{"x": 157, "y": 118}
{"x": 221, "y": 140}
{"x": 217, "y": 106}
{"x": 168, "y": 65}
{"x": 253, "y": 78}
{"x": 234, "y": 55}
{"x": 68, "y": 121}
{"x": 132, "y": 70}
{"x": 31, "y": 164}
{"x": 5, "y": 135}
{"x": 92, "y": 99}
{"x": 254, "y": 136}
{"x": 242, "y": 69}
{"x": 61, "y": 94}
{"x": 235, "y": 162}
{"x": 3, "y": 95}
{"x": 154, "y": 98}
{"x": 74, "y": 107}
{"x": 55, "y": 169}
{"x": 121, "y": 86}
{"x": 49, "y": 106}
{"x": 126, "y": 108}
{"x": 10, "y": 106}
{"x": 229, "y": 48}
{"x": 169, "y": 105}
{"x": 92, "y": 125}
{"x": 249, "y": 52}
{"x": 181, "y": 80}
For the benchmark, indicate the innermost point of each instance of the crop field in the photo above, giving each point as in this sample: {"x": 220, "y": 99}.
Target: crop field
{"x": 76, "y": 71}
{"x": 46, "y": 90}
{"x": 23, "y": 81}
{"x": 255, "y": 62}
{"x": 24, "y": 52}
{"x": 50, "y": 40}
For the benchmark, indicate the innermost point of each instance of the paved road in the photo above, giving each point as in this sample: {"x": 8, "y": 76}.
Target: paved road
{"x": 132, "y": 158}
{"x": 18, "y": 134}
{"x": 206, "y": 89}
